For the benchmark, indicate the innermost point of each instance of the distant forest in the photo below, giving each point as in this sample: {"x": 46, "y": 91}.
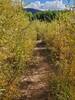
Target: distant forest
{"x": 45, "y": 15}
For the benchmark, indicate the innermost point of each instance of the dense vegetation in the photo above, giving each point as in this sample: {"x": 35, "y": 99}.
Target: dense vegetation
{"x": 44, "y": 15}
{"x": 59, "y": 36}
{"x": 17, "y": 40}
{"x": 60, "y": 40}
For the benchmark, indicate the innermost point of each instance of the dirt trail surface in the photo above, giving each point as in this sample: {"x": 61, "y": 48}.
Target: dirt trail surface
{"x": 34, "y": 85}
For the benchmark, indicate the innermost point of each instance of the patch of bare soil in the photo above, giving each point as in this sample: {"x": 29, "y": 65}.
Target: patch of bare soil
{"x": 34, "y": 84}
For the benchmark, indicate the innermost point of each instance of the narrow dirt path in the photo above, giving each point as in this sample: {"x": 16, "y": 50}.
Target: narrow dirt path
{"x": 34, "y": 85}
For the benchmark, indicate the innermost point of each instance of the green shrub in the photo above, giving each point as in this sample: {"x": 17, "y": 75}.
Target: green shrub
{"x": 60, "y": 89}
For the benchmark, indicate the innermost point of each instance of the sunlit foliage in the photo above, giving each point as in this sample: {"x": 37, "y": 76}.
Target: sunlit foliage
{"x": 60, "y": 39}
{"x": 17, "y": 40}
{"x": 59, "y": 36}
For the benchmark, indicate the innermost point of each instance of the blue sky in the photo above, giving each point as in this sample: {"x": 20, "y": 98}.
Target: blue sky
{"x": 48, "y": 4}
{"x": 64, "y": 1}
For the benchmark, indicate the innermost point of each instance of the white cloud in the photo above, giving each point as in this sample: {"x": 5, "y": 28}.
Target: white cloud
{"x": 35, "y": 5}
{"x": 48, "y": 5}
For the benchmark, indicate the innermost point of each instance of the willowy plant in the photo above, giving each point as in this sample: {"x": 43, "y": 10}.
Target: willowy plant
{"x": 17, "y": 40}
{"x": 59, "y": 36}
